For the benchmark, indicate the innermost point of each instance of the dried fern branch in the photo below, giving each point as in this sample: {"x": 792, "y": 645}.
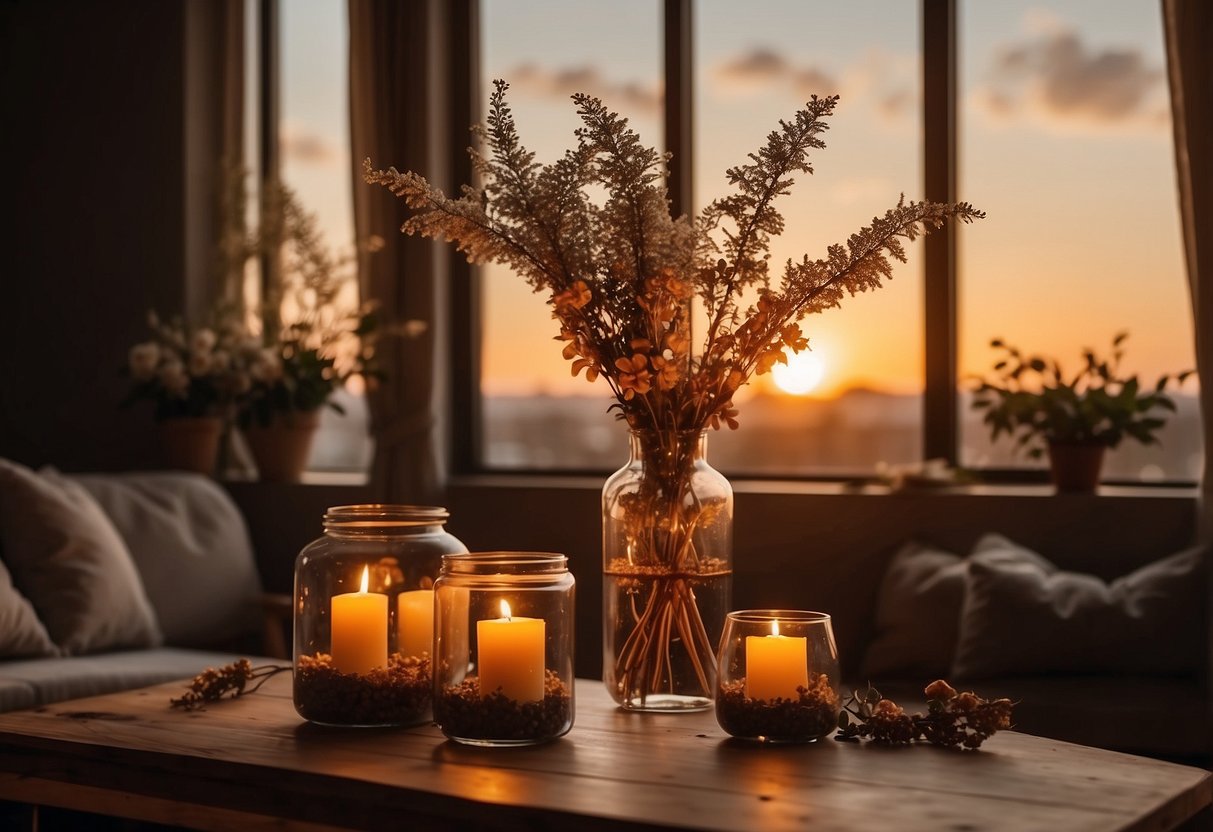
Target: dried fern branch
{"x": 621, "y": 275}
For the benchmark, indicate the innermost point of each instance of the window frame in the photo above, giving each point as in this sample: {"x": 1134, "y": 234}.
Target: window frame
{"x": 940, "y": 118}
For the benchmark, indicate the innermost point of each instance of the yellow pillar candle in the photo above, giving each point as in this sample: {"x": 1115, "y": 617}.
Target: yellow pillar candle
{"x": 359, "y": 642}
{"x": 775, "y": 665}
{"x": 510, "y": 656}
{"x": 415, "y": 622}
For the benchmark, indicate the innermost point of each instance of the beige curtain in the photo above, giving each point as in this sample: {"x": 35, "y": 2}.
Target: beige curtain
{"x": 398, "y": 69}
{"x": 1188, "y": 26}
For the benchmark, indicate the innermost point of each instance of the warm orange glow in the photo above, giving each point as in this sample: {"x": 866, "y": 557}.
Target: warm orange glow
{"x": 359, "y": 629}
{"x": 802, "y": 374}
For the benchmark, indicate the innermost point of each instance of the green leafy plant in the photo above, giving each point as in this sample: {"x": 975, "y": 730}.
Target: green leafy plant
{"x": 1033, "y": 400}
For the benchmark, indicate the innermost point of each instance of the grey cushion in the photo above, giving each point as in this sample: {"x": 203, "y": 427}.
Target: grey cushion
{"x": 15, "y": 694}
{"x": 193, "y": 552}
{"x": 1023, "y": 616}
{"x": 65, "y": 556}
{"x": 917, "y": 615}
{"x": 21, "y": 633}
{"x": 56, "y": 680}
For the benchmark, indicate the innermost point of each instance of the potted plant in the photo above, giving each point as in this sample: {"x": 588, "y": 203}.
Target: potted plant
{"x": 292, "y": 378}
{"x": 1076, "y": 418}
{"x": 193, "y": 377}
{"x": 312, "y": 339}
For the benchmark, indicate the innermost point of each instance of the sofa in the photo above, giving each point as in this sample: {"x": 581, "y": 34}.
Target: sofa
{"x": 117, "y": 581}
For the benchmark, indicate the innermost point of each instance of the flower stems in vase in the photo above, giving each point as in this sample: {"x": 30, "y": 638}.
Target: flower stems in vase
{"x": 667, "y": 544}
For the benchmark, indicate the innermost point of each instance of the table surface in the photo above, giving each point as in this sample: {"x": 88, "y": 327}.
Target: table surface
{"x": 252, "y": 762}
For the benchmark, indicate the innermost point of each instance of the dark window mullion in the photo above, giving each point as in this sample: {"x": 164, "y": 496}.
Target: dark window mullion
{"x": 467, "y": 414}
{"x": 269, "y": 155}
{"x": 939, "y": 61}
{"x": 679, "y": 94}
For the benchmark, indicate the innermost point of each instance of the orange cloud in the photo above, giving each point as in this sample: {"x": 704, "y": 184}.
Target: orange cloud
{"x": 309, "y": 148}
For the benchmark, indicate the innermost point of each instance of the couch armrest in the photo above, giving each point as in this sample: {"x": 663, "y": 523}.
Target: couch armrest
{"x": 276, "y": 612}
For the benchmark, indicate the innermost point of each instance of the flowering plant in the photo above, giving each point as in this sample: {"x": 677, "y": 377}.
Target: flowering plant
{"x": 191, "y": 372}
{"x": 312, "y": 339}
{"x": 622, "y": 278}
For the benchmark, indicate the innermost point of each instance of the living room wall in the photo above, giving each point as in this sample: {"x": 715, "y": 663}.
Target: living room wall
{"x": 100, "y": 196}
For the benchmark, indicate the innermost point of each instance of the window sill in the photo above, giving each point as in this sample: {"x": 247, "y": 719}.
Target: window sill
{"x": 592, "y": 483}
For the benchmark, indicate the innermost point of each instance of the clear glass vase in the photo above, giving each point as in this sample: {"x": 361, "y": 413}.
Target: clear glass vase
{"x": 364, "y": 615}
{"x": 667, "y": 544}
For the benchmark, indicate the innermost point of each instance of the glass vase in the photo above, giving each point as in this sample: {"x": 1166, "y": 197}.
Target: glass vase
{"x": 503, "y": 648}
{"x": 778, "y": 676}
{"x": 364, "y": 615}
{"x": 667, "y": 542}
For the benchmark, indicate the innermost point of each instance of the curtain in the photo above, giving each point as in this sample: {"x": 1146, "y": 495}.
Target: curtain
{"x": 398, "y": 69}
{"x": 1188, "y": 26}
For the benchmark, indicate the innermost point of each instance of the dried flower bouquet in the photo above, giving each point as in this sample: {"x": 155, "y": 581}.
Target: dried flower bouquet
{"x": 622, "y": 278}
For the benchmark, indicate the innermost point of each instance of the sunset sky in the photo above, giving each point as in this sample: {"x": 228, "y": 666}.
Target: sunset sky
{"x": 1065, "y": 143}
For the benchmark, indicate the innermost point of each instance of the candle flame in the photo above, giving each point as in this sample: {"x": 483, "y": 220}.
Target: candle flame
{"x": 366, "y": 578}
{"x": 775, "y": 627}
{"x": 505, "y": 609}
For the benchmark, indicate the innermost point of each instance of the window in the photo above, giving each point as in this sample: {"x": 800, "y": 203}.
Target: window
{"x": 309, "y": 114}
{"x": 1064, "y": 141}
{"x": 535, "y": 414}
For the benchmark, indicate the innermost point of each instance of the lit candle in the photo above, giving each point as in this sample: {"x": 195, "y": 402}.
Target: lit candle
{"x": 359, "y": 629}
{"x": 775, "y": 665}
{"x": 415, "y": 622}
{"x": 510, "y": 656}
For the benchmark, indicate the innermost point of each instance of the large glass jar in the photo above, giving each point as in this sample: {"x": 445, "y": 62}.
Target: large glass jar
{"x": 503, "y": 648}
{"x": 667, "y": 548}
{"x": 364, "y": 615}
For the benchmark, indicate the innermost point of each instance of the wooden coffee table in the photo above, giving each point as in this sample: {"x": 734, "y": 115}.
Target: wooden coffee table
{"x": 253, "y": 764}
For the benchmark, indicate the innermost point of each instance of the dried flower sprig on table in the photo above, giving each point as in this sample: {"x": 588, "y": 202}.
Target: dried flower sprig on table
{"x": 953, "y": 720}
{"x": 623, "y": 278}
{"x": 231, "y": 680}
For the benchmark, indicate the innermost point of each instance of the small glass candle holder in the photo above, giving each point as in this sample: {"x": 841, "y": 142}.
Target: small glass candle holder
{"x": 778, "y": 678}
{"x": 503, "y": 648}
{"x": 364, "y": 615}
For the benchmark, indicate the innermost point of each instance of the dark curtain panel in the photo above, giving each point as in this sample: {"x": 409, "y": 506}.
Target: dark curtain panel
{"x": 1188, "y": 25}
{"x": 398, "y": 83}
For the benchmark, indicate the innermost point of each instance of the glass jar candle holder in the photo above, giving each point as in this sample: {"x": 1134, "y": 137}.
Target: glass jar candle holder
{"x": 503, "y": 648}
{"x": 364, "y": 615}
{"x": 778, "y": 677}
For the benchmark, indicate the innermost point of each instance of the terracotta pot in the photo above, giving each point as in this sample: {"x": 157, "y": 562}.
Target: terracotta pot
{"x": 281, "y": 449}
{"x": 190, "y": 443}
{"x": 1075, "y": 466}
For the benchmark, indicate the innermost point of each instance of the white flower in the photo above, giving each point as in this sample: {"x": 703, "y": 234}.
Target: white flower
{"x": 174, "y": 379}
{"x": 143, "y": 360}
{"x": 203, "y": 341}
{"x": 200, "y": 364}
{"x": 221, "y": 360}
{"x": 413, "y": 328}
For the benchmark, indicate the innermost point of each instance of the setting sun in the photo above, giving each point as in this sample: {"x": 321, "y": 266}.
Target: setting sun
{"x": 801, "y": 374}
